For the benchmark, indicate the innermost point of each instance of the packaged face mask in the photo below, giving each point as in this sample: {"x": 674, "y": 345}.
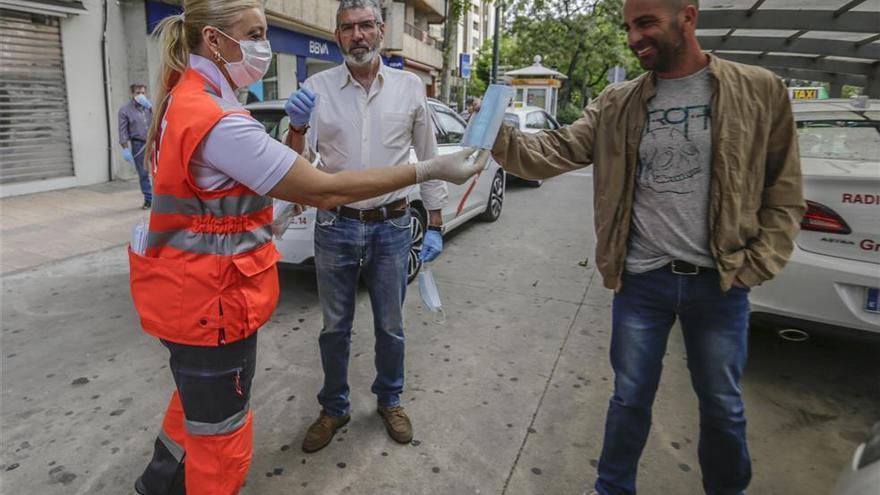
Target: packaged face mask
{"x": 484, "y": 125}
{"x": 431, "y": 296}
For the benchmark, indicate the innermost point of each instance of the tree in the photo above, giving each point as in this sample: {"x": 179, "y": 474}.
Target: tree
{"x": 580, "y": 38}
{"x": 454, "y": 10}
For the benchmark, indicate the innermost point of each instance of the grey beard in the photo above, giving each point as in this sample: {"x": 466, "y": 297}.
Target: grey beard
{"x": 362, "y": 60}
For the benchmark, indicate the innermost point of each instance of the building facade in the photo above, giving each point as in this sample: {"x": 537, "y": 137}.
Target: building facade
{"x": 67, "y": 66}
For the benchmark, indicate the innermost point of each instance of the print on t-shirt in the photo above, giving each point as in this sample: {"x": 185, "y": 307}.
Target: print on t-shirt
{"x": 669, "y": 162}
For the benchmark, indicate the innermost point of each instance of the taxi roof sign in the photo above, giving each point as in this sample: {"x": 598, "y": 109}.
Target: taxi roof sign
{"x": 808, "y": 93}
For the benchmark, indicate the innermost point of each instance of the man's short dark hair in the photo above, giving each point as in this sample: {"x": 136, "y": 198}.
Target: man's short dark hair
{"x": 135, "y": 87}
{"x": 359, "y": 4}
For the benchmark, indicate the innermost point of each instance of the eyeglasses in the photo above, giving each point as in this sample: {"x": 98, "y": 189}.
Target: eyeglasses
{"x": 348, "y": 28}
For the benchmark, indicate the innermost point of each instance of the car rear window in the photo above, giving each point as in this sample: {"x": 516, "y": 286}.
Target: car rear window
{"x": 839, "y": 139}
{"x": 512, "y": 119}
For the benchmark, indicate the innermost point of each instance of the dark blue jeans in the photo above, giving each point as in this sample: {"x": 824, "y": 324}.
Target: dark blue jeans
{"x": 346, "y": 250}
{"x": 715, "y": 328}
{"x": 138, "y": 151}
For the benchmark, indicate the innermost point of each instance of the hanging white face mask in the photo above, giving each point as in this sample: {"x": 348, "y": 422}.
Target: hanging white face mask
{"x": 431, "y": 295}
{"x": 256, "y": 56}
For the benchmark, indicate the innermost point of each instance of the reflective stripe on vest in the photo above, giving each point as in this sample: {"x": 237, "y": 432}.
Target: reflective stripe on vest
{"x": 226, "y": 206}
{"x": 228, "y": 425}
{"x": 173, "y": 447}
{"x": 228, "y": 244}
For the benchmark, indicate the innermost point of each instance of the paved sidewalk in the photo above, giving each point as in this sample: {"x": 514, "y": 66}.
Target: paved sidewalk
{"x": 56, "y": 225}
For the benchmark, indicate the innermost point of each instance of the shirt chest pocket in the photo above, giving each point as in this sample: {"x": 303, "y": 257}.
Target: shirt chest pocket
{"x": 396, "y": 129}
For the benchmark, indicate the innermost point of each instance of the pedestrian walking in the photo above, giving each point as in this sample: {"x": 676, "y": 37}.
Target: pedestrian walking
{"x": 367, "y": 114}
{"x": 698, "y": 198}
{"x": 134, "y": 122}
{"x": 207, "y": 280}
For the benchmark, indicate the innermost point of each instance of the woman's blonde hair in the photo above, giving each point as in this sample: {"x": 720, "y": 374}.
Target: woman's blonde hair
{"x": 179, "y": 35}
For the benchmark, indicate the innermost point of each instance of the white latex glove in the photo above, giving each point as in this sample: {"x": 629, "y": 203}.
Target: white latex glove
{"x": 455, "y": 167}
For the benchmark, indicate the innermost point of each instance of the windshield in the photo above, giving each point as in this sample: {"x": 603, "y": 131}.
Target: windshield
{"x": 839, "y": 139}
{"x": 512, "y": 119}
{"x": 274, "y": 122}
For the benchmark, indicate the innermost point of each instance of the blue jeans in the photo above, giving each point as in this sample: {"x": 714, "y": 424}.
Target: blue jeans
{"x": 715, "y": 328}
{"x": 138, "y": 151}
{"x": 346, "y": 249}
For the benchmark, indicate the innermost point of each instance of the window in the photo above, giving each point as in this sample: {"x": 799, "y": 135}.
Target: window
{"x": 270, "y": 80}
{"x": 451, "y": 124}
{"x": 537, "y": 97}
{"x": 550, "y": 122}
{"x": 274, "y": 122}
{"x": 512, "y": 119}
{"x": 839, "y": 139}
{"x": 536, "y": 120}
{"x": 476, "y": 26}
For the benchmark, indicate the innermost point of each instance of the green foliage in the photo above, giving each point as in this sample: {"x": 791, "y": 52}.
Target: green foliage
{"x": 569, "y": 113}
{"x": 580, "y": 38}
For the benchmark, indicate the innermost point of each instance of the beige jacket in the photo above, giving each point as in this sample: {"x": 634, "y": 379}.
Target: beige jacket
{"x": 756, "y": 195}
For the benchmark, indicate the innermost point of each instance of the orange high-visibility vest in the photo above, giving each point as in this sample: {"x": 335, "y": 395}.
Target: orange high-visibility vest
{"x": 208, "y": 276}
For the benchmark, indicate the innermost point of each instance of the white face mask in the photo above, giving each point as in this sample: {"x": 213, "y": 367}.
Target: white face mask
{"x": 256, "y": 56}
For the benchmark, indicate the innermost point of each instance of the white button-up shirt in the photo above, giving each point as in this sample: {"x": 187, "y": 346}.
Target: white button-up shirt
{"x": 356, "y": 128}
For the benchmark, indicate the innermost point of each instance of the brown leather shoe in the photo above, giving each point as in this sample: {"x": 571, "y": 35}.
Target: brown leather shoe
{"x": 321, "y": 432}
{"x": 397, "y": 423}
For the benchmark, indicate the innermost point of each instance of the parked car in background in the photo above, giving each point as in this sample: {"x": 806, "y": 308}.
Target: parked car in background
{"x": 832, "y": 281}
{"x": 530, "y": 120}
{"x": 481, "y": 197}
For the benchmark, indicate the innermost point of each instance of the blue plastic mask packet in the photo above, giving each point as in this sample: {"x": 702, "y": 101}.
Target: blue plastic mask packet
{"x": 484, "y": 125}
{"x": 431, "y": 296}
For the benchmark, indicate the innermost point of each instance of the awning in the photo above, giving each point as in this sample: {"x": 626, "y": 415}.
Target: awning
{"x": 52, "y": 8}
{"x": 834, "y": 41}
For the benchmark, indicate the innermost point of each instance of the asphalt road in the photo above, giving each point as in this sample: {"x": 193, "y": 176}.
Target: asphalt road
{"x": 508, "y": 397}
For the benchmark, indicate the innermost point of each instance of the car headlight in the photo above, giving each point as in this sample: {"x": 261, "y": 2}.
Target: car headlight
{"x": 871, "y": 452}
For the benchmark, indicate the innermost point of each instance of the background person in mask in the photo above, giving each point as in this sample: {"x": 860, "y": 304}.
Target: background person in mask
{"x": 698, "y": 196}
{"x": 207, "y": 280}
{"x": 367, "y": 114}
{"x": 134, "y": 123}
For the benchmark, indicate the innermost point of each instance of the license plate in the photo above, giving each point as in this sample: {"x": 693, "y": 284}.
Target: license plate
{"x": 299, "y": 222}
{"x": 872, "y": 300}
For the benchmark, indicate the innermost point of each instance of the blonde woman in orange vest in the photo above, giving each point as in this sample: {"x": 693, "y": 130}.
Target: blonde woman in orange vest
{"x": 207, "y": 280}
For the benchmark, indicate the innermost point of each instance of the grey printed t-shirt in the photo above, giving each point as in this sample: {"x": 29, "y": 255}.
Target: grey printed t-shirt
{"x": 671, "y": 210}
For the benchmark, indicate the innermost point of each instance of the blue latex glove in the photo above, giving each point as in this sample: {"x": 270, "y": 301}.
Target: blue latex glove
{"x": 432, "y": 246}
{"x": 143, "y": 101}
{"x": 126, "y": 154}
{"x": 300, "y": 105}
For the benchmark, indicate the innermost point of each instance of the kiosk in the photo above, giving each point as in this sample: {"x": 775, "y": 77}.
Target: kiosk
{"x": 536, "y": 86}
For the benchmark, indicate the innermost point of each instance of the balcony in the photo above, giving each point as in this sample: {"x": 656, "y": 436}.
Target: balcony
{"x": 432, "y": 9}
{"x": 420, "y": 47}
{"x": 422, "y": 36}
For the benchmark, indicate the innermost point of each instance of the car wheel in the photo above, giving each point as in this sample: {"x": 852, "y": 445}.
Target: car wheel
{"x": 417, "y": 229}
{"x": 496, "y": 199}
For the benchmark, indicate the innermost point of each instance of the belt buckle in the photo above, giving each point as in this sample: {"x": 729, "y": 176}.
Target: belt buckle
{"x": 677, "y": 271}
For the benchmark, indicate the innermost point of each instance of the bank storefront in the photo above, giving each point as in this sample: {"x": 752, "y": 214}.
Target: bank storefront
{"x": 296, "y": 55}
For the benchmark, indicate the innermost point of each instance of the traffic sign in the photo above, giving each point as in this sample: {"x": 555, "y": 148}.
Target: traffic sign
{"x": 464, "y": 65}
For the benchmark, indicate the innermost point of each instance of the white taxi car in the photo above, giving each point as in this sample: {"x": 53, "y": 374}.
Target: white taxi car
{"x": 482, "y": 196}
{"x": 832, "y": 281}
{"x": 530, "y": 120}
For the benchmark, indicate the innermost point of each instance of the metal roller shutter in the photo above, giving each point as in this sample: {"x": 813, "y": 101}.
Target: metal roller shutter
{"x": 34, "y": 125}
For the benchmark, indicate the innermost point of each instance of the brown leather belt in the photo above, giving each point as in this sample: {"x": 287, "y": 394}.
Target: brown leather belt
{"x": 395, "y": 209}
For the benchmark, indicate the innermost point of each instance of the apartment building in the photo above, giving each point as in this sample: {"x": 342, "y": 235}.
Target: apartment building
{"x": 64, "y": 79}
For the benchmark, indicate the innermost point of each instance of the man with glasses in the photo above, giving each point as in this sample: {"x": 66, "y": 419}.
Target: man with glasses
{"x": 358, "y": 115}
